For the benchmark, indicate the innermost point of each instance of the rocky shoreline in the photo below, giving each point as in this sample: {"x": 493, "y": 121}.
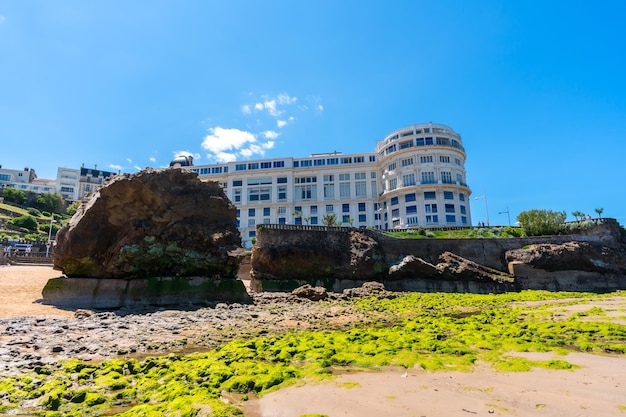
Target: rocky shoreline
{"x": 29, "y": 342}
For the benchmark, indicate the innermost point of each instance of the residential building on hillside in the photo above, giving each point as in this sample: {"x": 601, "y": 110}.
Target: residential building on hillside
{"x": 415, "y": 178}
{"x": 25, "y": 180}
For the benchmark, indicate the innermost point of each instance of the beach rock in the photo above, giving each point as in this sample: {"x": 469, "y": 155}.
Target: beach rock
{"x": 579, "y": 256}
{"x": 155, "y": 223}
{"x": 311, "y": 293}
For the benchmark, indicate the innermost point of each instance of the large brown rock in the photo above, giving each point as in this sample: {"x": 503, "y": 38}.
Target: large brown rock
{"x": 156, "y": 223}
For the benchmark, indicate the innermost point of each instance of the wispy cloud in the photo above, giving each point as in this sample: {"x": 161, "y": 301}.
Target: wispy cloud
{"x": 138, "y": 168}
{"x": 152, "y": 159}
{"x": 116, "y": 167}
{"x": 224, "y": 145}
{"x": 130, "y": 161}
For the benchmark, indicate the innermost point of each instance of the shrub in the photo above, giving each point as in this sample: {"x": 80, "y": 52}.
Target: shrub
{"x": 34, "y": 212}
{"x": 27, "y": 222}
{"x": 542, "y": 222}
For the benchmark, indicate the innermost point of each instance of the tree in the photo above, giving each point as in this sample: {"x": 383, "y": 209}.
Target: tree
{"x": 578, "y": 214}
{"x": 541, "y": 222}
{"x": 49, "y": 202}
{"x": 599, "y": 211}
{"x": 330, "y": 219}
{"x": 13, "y": 195}
{"x": 72, "y": 208}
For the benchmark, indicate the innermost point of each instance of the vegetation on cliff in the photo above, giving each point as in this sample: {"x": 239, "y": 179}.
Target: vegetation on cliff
{"x": 436, "y": 332}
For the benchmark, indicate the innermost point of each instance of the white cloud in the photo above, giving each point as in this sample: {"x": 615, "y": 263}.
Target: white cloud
{"x": 152, "y": 159}
{"x": 116, "y": 167}
{"x": 320, "y": 107}
{"x": 224, "y": 145}
{"x": 220, "y": 139}
{"x": 270, "y": 134}
{"x": 281, "y": 123}
{"x": 285, "y": 99}
{"x": 130, "y": 161}
{"x": 258, "y": 106}
{"x": 138, "y": 168}
{"x": 245, "y": 109}
{"x": 224, "y": 157}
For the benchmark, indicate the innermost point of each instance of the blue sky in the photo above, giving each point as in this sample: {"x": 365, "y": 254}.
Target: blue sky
{"x": 537, "y": 89}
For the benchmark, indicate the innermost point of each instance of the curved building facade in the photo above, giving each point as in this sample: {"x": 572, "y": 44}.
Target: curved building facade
{"x": 423, "y": 178}
{"x": 415, "y": 178}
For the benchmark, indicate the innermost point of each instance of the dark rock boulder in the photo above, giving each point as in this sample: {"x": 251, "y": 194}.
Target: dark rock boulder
{"x": 311, "y": 293}
{"x": 570, "y": 256}
{"x": 156, "y": 223}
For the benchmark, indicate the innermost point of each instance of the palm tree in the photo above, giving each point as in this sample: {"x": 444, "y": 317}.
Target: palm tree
{"x": 578, "y": 214}
{"x": 599, "y": 211}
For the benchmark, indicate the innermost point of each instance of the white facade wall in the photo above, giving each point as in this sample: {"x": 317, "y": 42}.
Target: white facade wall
{"x": 416, "y": 178}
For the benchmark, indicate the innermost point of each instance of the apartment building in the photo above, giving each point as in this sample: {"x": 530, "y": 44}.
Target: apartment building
{"x": 415, "y": 178}
{"x": 25, "y": 180}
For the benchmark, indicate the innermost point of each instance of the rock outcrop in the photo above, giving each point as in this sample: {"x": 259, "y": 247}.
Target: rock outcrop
{"x": 158, "y": 237}
{"x": 287, "y": 257}
{"x": 156, "y": 223}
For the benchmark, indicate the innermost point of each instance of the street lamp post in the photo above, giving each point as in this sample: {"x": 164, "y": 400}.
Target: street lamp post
{"x": 49, "y": 235}
{"x": 507, "y": 214}
{"x": 486, "y": 206}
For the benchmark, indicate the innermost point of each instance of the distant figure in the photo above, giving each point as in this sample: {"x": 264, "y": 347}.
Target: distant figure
{"x": 27, "y": 251}
{"x": 7, "y": 251}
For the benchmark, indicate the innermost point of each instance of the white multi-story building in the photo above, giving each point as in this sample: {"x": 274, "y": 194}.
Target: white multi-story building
{"x": 25, "y": 180}
{"x": 416, "y": 178}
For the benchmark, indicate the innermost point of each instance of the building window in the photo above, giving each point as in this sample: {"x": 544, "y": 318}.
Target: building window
{"x": 394, "y": 201}
{"x": 448, "y": 195}
{"x": 252, "y": 233}
{"x": 430, "y": 208}
{"x": 450, "y": 218}
{"x": 279, "y": 164}
{"x": 329, "y": 190}
{"x": 449, "y": 208}
{"x": 411, "y": 209}
{"x": 259, "y": 194}
{"x": 446, "y": 177}
{"x": 344, "y": 189}
{"x": 362, "y": 218}
{"x": 282, "y": 220}
{"x": 395, "y": 213}
{"x": 428, "y": 177}
{"x": 345, "y": 208}
{"x": 237, "y": 183}
{"x": 461, "y": 197}
{"x": 329, "y": 178}
{"x": 409, "y": 197}
{"x": 305, "y": 192}
{"x": 444, "y": 159}
{"x": 462, "y": 208}
{"x": 251, "y": 212}
{"x": 313, "y": 210}
{"x": 240, "y": 167}
{"x": 432, "y": 219}
{"x": 266, "y": 165}
{"x": 392, "y": 167}
{"x": 345, "y": 218}
{"x": 393, "y": 183}
{"x": 430, "y": 195}
{"x": 360, "y": 188}
{"x": 281, "y": 180}
{"x": 251, "y": 222}
{"x": 282, "y": 210}
{"x": 266, "y": 211}
{"x": 282, "y": 192}
{"x": 426, "y": 159}
{"x": 361, "y": 206}
{"x": 407, "y": 162}
{"x": 313, "y": 219}
{"x": 237, "y": 196}
{"x": 408, "y": 180}
{"x": 359, "y": 176}
{"x": 329, "y": 208}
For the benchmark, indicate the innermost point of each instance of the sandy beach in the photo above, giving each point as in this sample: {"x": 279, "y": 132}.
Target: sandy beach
{"x": 597, "y": 388}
